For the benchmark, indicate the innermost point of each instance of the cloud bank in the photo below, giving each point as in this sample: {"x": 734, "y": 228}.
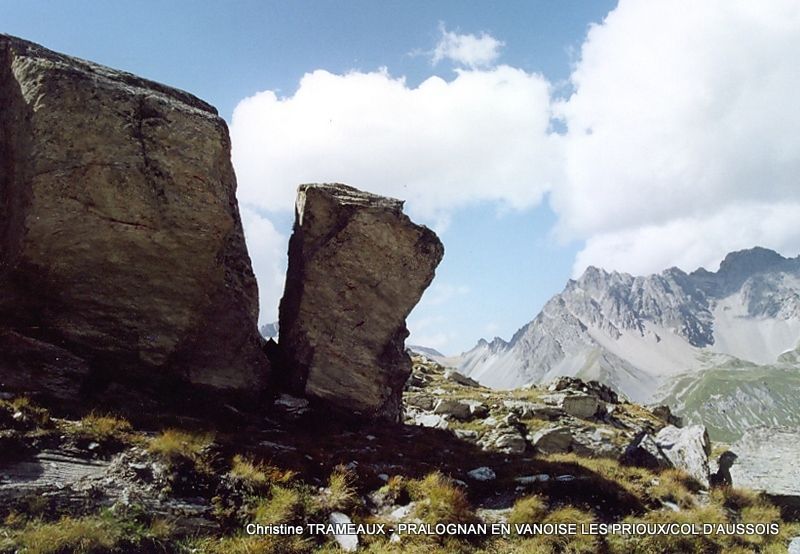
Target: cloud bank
{"x": 441, "y": 146}
{"x": 681, "y": 139}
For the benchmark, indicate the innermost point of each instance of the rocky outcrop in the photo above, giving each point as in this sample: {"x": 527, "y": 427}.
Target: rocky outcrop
{"x": 357, "y": 266}
{"x": 121, "y": 247}
{"x": 687, "y": 449}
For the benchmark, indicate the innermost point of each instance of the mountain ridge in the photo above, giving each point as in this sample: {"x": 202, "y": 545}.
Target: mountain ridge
{"x": 637, "y": 332}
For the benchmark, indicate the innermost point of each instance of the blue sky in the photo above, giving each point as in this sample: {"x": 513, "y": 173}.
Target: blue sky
{"x": 535, "y": 137}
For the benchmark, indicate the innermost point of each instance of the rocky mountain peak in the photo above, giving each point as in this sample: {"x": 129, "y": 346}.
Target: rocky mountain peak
{"x": 739, "y": 266}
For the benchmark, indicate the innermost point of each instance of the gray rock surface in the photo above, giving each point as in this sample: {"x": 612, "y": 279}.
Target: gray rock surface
{"x": 552, "y": 440}
{"x": 454, "y": 408}
{"x": 644, "y": 452}
{"x": 120, "y": 239}
{"x": 767, "y": 460}
{"x": 482, "y": 473}
{"x": 686, "y": 448}
{"x": 455, "y": 376}
{"x": 348, "y": 543}
{"x": 357, "y": 266}
{"x": 504, "y": 439}
{"x": 583, "y": 406}
{"x": 134, "y": 478}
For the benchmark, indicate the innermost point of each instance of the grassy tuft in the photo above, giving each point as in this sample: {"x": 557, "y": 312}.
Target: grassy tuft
{"x": 256, "y": 475}
{"x": 106, "y": 430}
{"x": 283, "y": 505}
{"x": 531, "y": 509}
{"x": 440, "y": 500}
{"x": 675, "y": 485}
{"x": 23, "y": 414}
{"x": 103, "y": 532}
{"x": 173, "y": 445}
{"x": 341, "y": 494}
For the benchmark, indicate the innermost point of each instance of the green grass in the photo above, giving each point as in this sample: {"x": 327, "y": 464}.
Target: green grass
{"x": 258, "y": 476}
{"x": 173, "y": 444}
{"x": 108, "y": 431}
{"x": 440, "y": 500}
{"x": 22, "y": 414}
{"x": 103, "y": 532}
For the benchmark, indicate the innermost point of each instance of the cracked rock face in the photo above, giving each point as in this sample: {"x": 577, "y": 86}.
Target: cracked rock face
{"x": 120, "y": 239}
{"x": 357, "y": 266}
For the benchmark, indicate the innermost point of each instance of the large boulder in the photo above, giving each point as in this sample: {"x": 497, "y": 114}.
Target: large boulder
{"x": 552, "y": 440}
{"x": 644, "y": 452}
{"x": 686, "y": 448}
{"x": 357, "y": 266}
{"x": 121, "y": 247}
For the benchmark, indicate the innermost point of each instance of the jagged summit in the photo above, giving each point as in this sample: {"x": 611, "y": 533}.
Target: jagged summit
{"x": 634, "y": 332}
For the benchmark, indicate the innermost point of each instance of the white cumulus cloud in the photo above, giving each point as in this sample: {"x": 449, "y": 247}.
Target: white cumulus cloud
{"x": 682, "y": 141}
{"x": 267, "y": 248}
{"x": 482, "y": 136}
{"x": 467, "y": 49}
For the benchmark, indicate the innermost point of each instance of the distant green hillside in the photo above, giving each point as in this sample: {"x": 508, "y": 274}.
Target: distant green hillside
{"x": 739, "y": 395}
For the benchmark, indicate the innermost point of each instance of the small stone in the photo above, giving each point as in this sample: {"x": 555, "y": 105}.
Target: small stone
{"x": 292, "y": 403}
{"x": 466, "y": 434}
{"x": 383, "y": 477}
{"x": 431, "y": 420}
{"x": 348, "y": 543}
{"x": 482, "y": 474}
{"x": 530, "y": 479}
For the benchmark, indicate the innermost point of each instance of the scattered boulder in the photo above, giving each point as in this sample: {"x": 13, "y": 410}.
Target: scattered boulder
{"x": 583, "y": 406}
{"x": 291, "y": 404}
{"x": 597, "y": 389}
{"x": 431, "y": 420}
{"x": 453, "y": 408}
{"x": 644, "y": 452}
{"x": 122, "y": 247}
{"x": 504, "y": 439}
{"x": 422, "y": 402}
{"x": 466, "y": 434}
{"x": 531, "y": 479}
{"x": 687, "y": 449}
{"x": 477, "y": 409}
{"x": 664, "y": 413}
{"x": 595, "y": 443}
{"x": 552, "y": 440}
{"x": 456, "y": 377}
{"x": 528, "y": 410}
{"x": 348, "y": 543}
{"x": 482, "y": 474}
{"x": 357, "y": 266}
